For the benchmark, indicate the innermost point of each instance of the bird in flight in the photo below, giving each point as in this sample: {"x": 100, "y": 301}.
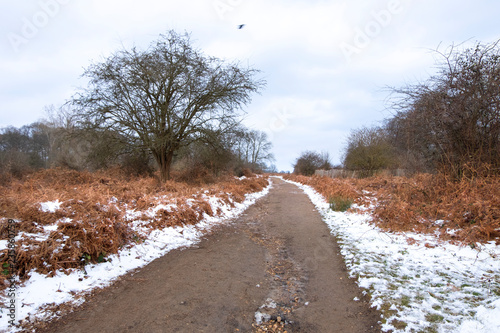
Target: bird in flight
{"x": 241, "y": 26}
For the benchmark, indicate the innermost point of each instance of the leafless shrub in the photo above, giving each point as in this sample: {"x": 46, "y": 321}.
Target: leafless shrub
{"x": 452, "y": 121}
{"x": 368, "y": 150}
{"x": 310, "y": 161}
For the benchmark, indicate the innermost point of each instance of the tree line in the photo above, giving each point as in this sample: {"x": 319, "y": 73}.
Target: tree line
{"x": 51, "y": 143}
{"x": 449, "y": 123}
{"x": 158, "y": 108}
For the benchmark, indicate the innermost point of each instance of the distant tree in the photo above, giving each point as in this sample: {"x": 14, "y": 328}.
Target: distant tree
{"x": 69, "y": 145}
{"x": 231, "y": 151}
{"x": 13, "y": 138}
{"x": 271, "y": 168}
{"x": 368, "y": 150}
{"x": 165, "y": 97}
{"x": 254, "y": 149}
{"x": 74, "y": 147}
{"x": 310, "y": 161}
{"x": 24, "y": 148}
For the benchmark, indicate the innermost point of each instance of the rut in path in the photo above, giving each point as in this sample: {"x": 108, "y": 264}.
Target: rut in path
{"x": 276, "y": 268}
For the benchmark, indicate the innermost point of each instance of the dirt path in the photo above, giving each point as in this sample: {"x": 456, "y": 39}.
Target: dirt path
{"x": 277, "y": 260}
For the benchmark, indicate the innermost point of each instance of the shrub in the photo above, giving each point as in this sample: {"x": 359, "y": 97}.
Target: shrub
{"x": 368, "y": 150}
{"x": 340, "y": 203}
{"x": 310, "y": 161}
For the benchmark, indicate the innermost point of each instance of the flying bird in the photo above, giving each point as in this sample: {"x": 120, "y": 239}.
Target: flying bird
{"x": 241, "y": 26}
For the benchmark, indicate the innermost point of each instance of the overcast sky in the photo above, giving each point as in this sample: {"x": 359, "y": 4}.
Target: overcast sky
{"x": 327, "y": 62}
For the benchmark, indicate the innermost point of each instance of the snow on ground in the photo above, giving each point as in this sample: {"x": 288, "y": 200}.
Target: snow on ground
{"x": 262, "y": 317}
{"x": 50, "y": 206}
{"x": 428, "y": 286}
{"x": 40, "y": 291}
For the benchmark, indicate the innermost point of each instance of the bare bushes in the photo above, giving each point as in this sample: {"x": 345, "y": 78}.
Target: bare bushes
{"x": 451, "y": 122}
{"x": 309, "y": 161}
{"x": 369, "y": 150}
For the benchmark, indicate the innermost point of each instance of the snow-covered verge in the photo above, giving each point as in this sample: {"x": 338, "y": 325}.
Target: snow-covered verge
{"x": 40, "y": 292}
{"x": 418, "y": 283}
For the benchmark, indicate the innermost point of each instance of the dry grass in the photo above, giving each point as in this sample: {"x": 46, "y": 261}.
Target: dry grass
{"x": 91, "y": 221}
{"x": 424, "y": 203}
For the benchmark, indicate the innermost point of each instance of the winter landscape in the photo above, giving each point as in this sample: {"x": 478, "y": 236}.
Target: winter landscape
{"x": 237, "y": 166}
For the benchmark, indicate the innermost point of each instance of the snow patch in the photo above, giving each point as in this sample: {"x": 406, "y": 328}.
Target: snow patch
{"x": 261, "y": 316}
{"x": 50, "y": 206}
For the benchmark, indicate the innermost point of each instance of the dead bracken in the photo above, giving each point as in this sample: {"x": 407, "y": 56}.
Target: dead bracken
{"x": 90, "y": 221}
{"x": 423, "y": 203}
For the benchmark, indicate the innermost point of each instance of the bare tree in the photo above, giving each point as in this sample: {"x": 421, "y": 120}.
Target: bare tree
{"x": 254, "y": 149}
{"x": 165, "y": 97}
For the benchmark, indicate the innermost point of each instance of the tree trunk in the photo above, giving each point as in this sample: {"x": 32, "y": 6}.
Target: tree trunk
{"x": 164, "y": 160}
